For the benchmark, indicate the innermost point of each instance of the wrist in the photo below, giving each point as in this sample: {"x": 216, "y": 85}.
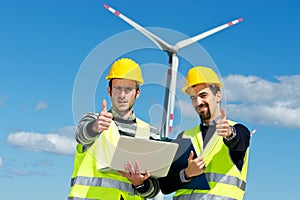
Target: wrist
{"x": 183, "y": 177}
{"x": 138, "y": 186}
{"x": 186, "y": 175}
{"x": 95, "y": 129}
{"x": 90, "y": 130}
{"x": 232, "y": 133}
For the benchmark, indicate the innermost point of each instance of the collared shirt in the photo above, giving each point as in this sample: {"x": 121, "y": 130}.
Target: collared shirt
{"x": 213, "y": 122}
{"x": 208, "y": 130}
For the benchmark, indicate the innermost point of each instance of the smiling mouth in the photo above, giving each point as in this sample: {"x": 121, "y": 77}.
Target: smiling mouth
{"x": 202, "y": 108}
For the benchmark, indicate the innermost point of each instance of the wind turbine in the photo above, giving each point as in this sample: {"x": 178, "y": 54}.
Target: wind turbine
{"x": 172, "y": 51}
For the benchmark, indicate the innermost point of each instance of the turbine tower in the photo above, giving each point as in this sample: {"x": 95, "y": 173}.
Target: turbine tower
{"x": 172, "y": 50}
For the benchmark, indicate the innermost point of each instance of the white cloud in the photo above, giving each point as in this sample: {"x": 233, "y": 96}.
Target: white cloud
{"x": 25, "y": 172}
{"x": 1, "y": 162}
{"x": 259, "y": 101}
{"x": 51, "y": 142}
{"x": 41, "y": 105}
{"x": 278, "y": 114}
{"x": 262, "y": 101}
{"x": 252, "y": 89}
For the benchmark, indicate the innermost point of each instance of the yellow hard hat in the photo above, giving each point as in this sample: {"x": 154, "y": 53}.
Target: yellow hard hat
{"x": 126, "y": 68}
{"x": 200, "y": 74}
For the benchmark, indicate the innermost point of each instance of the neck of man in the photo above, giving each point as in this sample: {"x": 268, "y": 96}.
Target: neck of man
{"x": 125, "y": 115}
{"x": 122, "y": 115}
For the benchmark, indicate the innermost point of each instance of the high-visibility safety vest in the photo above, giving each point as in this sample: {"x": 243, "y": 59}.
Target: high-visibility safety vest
{"x": 226, "y": 181}
{"x": 88, "y": 183}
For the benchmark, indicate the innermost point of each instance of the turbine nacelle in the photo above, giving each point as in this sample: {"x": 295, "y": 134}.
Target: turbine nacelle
{"x": 172, "y": 50}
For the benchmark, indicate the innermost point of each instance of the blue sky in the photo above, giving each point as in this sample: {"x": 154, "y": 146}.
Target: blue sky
{"x": 54, "y": 56}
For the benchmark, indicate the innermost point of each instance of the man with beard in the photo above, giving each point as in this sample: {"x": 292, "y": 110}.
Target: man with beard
{"x": 125, "y": 78}
{"x": 221, "y": 146}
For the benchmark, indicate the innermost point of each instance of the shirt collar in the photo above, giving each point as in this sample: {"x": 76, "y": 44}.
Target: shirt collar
{"x": 213, "y": 122}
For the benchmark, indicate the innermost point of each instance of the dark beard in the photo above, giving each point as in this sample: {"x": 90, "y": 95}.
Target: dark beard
{"x": 204, "y": 116}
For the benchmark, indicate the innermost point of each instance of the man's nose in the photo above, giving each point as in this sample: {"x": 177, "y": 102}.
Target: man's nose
{"x": 199, "y": 101}
{"x": 123, "y": 93}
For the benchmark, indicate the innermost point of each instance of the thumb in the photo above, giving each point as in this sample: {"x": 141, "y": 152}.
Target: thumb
{"x": 191, "y": 156}
{"x": 104, "y": 105}
{"x": 223, "y": 113}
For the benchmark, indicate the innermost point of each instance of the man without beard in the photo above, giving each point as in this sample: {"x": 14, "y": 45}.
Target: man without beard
{"x": 103, "y": 129}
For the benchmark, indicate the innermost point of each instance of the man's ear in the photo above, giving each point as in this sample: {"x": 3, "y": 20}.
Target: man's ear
{"x": 219, "y": 96}
{"x": 138, "y": 92}
{"x": 109, "y": 91}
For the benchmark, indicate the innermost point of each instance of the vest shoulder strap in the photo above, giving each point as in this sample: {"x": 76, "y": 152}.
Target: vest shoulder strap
{"x": 142, "y": 129}
{"x": 192, "y": 132}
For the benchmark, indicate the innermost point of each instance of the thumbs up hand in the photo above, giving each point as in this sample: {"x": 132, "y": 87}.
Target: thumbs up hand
{"x": 104, "y": 119}
{"x": 222, "y": 128}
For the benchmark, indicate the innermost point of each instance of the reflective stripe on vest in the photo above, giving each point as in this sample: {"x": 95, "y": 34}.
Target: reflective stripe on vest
{"x": 78, "y": 198}
{"x": 102, "y": 182}
{"x": 231, "y": 180}
{"x": 200, "y": 196}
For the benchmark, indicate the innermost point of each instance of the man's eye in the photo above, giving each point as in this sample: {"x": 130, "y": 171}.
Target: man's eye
{"x": 127, "y": 90}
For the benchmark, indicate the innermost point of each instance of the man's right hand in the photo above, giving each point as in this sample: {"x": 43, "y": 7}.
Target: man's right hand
{"x": 104, "y": 119}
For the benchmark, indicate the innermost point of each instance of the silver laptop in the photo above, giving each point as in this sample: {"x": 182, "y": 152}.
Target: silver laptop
{"x": 152, "y": 155}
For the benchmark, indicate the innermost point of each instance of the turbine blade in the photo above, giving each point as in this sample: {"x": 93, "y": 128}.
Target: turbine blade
{"x": 158, "y": 41}
{"x": 196, "y": 38}
{"x": 253, "y": 132}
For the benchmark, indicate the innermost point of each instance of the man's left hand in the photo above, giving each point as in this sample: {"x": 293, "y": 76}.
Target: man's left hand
{"x": 222, "y": 127}
{"x": 133, "y": 174}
